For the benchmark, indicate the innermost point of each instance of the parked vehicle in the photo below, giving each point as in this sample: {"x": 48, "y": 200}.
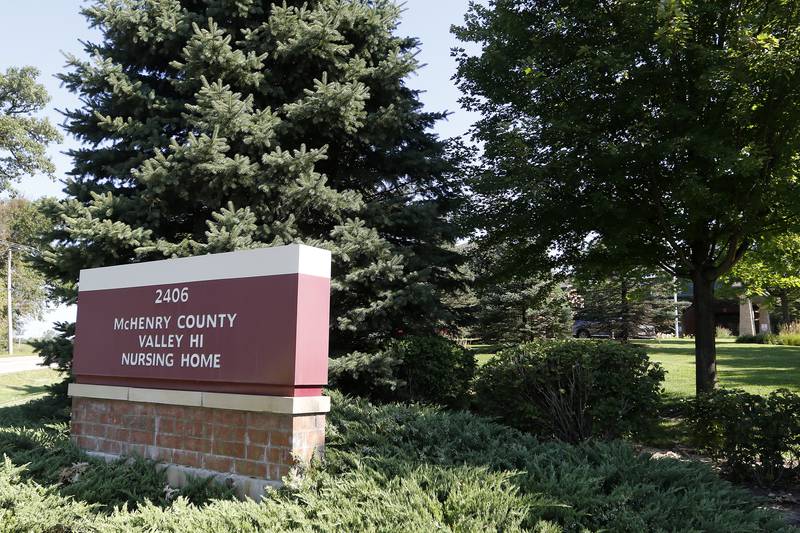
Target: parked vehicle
{"x": 609, "y": 329}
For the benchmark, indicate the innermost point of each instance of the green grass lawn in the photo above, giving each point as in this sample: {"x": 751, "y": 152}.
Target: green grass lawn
{"x": 20, "y": 349}
{"x": 483, "y": 352}
{"x": 20, "y": 387}
{"x": 756, "y": 368}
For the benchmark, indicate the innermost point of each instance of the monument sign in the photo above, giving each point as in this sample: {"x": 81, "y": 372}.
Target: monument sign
{"x": 210, "y": 364}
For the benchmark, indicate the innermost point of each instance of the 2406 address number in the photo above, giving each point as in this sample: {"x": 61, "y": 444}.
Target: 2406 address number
{"x": 175, "y": 295}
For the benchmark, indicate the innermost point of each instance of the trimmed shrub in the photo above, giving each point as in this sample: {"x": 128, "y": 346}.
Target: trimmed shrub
{"x": 755, "y": 437}
{"x": 760, "y": 338}
{"x": 417, "y": 369}
{"x": 572, "y": 390}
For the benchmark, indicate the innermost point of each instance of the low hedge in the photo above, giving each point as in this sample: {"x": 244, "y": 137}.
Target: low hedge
{"x": 572, "y": 390}
{"x": 760, "y": 338}
{"x": 396, "y": 468}
{"x": 789, "y": 339}
{"x": 755, "y": 437}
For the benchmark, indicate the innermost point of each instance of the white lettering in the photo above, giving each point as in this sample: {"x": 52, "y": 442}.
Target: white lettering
{"x": 142, "y": 322}
{"x": 147, "y": 359}
{"x": 160, "y": 341}
{"x": 211, "y": 320}
{"x": 201, "y": 360}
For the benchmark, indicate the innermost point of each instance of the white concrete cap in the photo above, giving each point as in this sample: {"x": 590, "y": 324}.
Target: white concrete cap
{"x": 277, "y": 260}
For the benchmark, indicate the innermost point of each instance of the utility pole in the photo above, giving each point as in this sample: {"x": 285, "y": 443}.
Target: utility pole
{"x": 10, "y": 315}
{"x": 20, "y": 248}
{"x": 675, "y": 301}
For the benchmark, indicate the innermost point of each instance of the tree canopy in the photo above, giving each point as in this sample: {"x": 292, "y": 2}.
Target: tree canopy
{"x": 771, "y": 265}
{"x": 659, "y": 133}
{"x": 23, "y": 136}
{"x": 771, "y": 268}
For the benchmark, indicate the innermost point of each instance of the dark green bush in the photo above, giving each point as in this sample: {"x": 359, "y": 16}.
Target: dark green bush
{"x": 571, "y": 390}
{"x": 760, "y": 338}
{"x": 417, "y": 369}
{"x": 756, "y": 437}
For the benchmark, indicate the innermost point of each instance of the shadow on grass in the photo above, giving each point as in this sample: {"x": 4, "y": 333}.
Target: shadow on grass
{"x": 763, "y": 366}
{"x": 27, "y": 388}
{"x": 41, "y": 412}
{"x": 756, "y": 367}
{"x": 671, "y": 350}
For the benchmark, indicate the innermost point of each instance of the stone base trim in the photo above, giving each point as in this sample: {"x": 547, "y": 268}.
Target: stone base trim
{"x": 294, "y": 405}
{"x": 178, "y": 476}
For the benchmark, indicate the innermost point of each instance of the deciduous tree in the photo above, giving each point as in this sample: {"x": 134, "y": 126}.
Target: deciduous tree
{"x": 772, "y": 268}
{"x": 665, "y": 131}
{"x": 23, "y": 136}
{"x": 20, "y": 224}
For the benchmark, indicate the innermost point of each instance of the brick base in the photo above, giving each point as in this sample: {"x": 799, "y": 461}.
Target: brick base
{"x": 245, "y": 443}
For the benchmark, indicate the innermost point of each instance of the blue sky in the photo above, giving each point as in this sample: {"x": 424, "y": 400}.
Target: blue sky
{"x": 39, "y": 32}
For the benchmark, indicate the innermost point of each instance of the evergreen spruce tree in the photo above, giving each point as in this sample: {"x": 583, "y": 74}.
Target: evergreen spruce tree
{"x": 512, "y": 308}
{"x": 626, "y": 303}
{"x": 216, "y": 125}
{"x": 523, "y": 309}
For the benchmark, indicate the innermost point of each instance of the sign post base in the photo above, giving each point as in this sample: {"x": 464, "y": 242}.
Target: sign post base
{"x": 249, "y": 441}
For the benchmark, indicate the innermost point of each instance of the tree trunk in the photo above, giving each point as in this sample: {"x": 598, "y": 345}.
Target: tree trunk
{"x": 625, "y": 330}
{"x": 704, "y": 342}
{"x": 785, "y": 318}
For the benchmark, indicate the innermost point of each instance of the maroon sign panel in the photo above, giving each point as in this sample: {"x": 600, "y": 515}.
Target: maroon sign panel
{"x": 253, "y": 322}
